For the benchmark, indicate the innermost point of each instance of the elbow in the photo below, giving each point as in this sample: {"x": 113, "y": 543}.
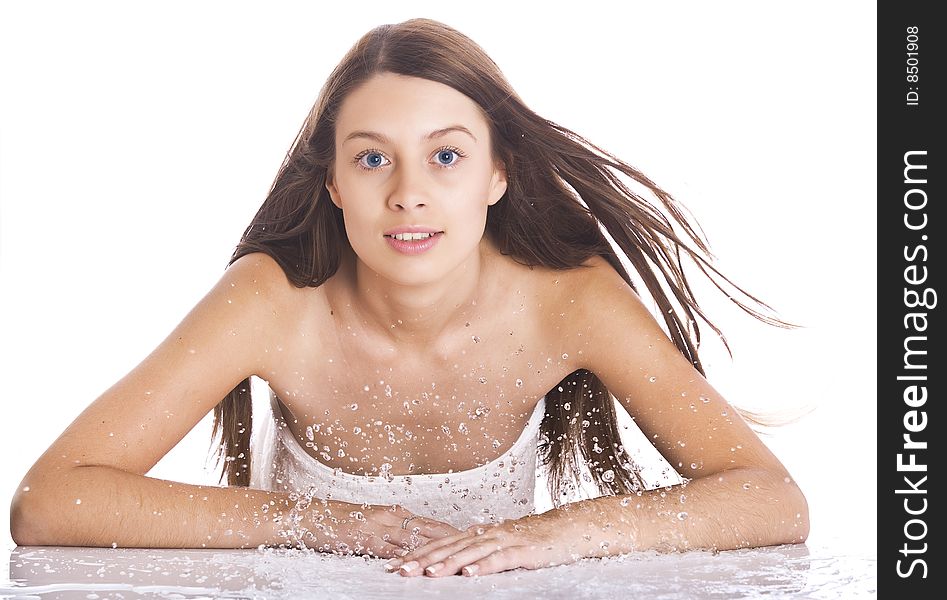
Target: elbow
{"x": 35, "y": 518}
{"x": 803, "y": 532}
{"x": 797, "y": 517}
{"x": 25, "y": 521}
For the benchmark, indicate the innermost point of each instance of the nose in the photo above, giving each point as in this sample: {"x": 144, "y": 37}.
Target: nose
{"x": 409, "y": 191}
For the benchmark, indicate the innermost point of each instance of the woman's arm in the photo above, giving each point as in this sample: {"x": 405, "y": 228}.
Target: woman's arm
{"x": 105, "y": 506}
{"x": 739, "y": 494}
{"x": 89, "y": 487}
{"x": 738, "y": 508}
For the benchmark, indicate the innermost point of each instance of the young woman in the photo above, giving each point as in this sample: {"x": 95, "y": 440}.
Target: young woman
{"x": 430, "y": 295}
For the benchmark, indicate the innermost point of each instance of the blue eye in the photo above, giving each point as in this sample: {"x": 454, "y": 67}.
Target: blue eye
{"x": 371, "y": 160}
{"x": 447, "y": 157}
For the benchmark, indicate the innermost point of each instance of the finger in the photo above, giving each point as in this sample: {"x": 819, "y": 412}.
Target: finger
{"x": 380, "y": 548}
{"x": 419, "y": 530}
{"x": 397, "y": 513}
{"x": 420, "y": 552}
{"x": 429, "y": 527}
{"x": 500, "y": 560}
{"x": 469, "y": 548}
{"x": 405, "y": 539}
{"x": 432, "y": 528}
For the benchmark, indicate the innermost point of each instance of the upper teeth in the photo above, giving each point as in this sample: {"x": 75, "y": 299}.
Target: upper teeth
{"x": 412, "y": 236}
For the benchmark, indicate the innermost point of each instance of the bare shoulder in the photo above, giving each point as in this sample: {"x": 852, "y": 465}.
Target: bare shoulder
{"x": 258, "y": 277}
{"x": 588, "y": 290}
{"x": 597, "y": 271}
{"x": 594, "y": 308}
{"x": 261, "y": 274}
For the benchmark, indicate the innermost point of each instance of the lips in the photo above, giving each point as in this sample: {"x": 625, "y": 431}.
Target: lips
{"x": 413, "y": 247}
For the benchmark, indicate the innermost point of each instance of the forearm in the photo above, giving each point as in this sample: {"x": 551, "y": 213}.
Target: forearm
{"x": 733, "y": 509}
{"x": 103, "y": 506}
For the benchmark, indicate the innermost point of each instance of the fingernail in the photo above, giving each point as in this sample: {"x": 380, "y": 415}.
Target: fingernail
{"x": 392, "y": 564}
{"x": 470, "y": 570}
{"x": 408, "y": 567}
{"x": 433, "y": 568}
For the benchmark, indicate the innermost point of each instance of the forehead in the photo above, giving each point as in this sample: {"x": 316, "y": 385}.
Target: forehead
{"x": 399, "y": 105}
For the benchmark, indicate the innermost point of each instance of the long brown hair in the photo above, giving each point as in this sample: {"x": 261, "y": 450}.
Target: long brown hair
{"x": 561, "y": 192}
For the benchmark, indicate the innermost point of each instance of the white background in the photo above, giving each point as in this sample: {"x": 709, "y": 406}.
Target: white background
{"x": 136, "y": 144}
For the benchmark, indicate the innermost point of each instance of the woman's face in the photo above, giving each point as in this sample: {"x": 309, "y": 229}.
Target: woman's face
{"x": 413, "y": 153}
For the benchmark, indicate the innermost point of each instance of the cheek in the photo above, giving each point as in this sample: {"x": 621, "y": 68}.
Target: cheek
{"x": 473, "y": 191}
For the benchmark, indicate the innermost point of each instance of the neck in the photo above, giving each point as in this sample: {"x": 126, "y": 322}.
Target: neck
{"x": 423, "y": 318}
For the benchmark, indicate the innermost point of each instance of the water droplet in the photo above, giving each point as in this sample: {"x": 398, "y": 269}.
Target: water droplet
{"x": 519, "y": 383}
{"x": 78, "y": 501}
{"x": 652, "y": 379}
{"x": 356, "y": 430}
{"x": 26, "y": 488}
{"x": 483, "y": 380}
{"x": 681, "y": 516}
{"x": 462, "y": 428}
{"x": 495, "y": 444}
{"x": 366, "y": 388}
{"x": 475, "y": 339}
{"x": 567, "y": 406}
{"x": 704, "y": 399}
{"x": 565, "y": 356}
{"x": 625, "y": 501}
{"x": 608, "y": 475}
{"x": 354, "y": 406}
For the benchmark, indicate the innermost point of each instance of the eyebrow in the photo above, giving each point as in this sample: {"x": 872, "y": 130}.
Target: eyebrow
{"x": 383, "y": 139}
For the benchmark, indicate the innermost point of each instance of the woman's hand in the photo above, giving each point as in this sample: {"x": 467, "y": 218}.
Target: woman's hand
{"x": 374, "y": 530}
{"x": 532, "y": 542}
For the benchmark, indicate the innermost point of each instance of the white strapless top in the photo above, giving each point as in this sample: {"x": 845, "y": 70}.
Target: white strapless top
{"x": 499, "y": 490}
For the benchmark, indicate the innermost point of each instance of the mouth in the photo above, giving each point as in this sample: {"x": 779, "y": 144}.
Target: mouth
{"x": 413, "y": 237}
{"x": 413, "y": 243}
